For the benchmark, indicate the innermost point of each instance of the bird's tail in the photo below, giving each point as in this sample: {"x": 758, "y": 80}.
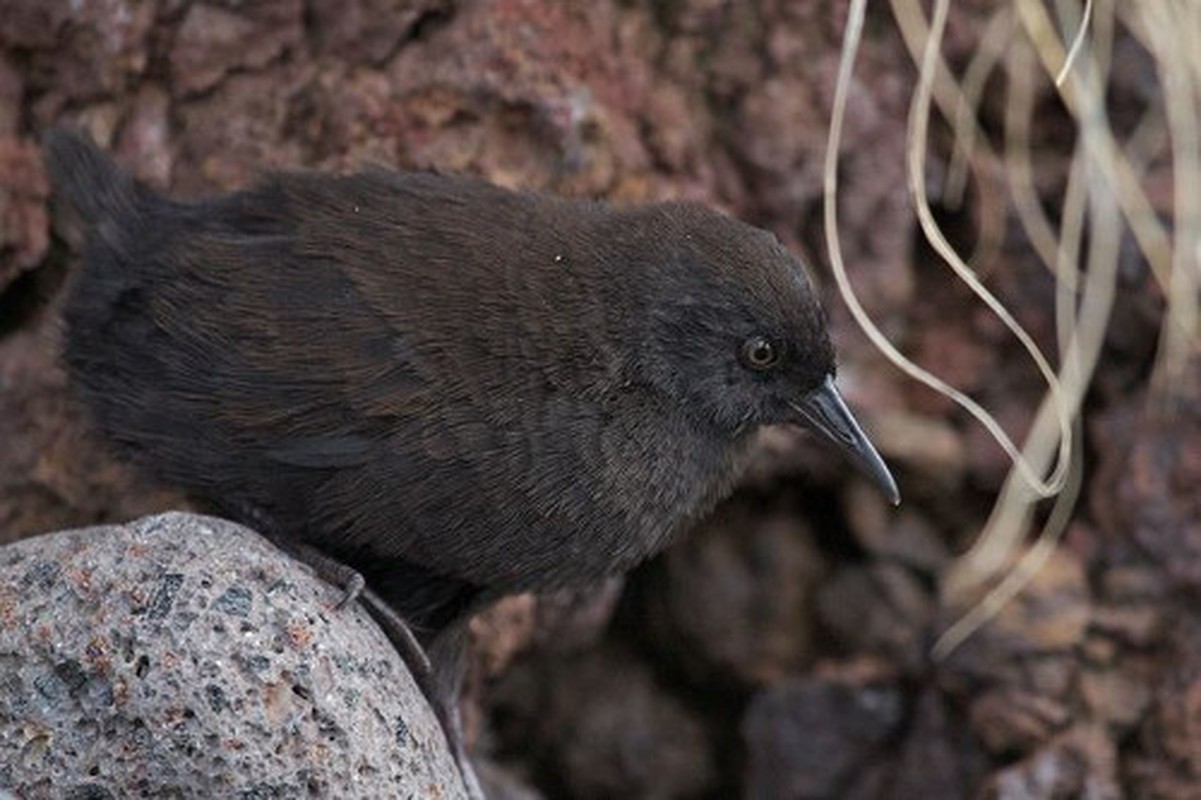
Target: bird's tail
{"x": 80, "y": 172}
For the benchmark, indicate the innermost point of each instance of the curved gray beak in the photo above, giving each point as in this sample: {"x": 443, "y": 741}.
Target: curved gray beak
{"x": 824, "y": 411}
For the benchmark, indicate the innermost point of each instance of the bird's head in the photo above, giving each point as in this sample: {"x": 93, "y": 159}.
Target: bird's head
{"x": 731, "y": 329}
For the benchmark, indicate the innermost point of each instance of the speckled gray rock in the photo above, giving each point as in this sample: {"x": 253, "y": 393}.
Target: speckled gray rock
{"x": 184, "y": 656}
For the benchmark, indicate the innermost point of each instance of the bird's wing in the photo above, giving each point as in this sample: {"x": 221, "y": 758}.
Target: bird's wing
{"x": 297, "y": 365}
{"x": 323, "y": 452}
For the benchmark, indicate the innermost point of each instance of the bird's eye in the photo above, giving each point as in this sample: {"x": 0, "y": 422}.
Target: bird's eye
{"x": 759, "y": 353}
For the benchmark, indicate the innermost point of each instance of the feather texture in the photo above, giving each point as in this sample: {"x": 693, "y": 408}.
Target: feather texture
{"x": 431, "y": 377}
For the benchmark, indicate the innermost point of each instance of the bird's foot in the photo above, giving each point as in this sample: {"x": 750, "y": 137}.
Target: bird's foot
{"x": 401, "y": 636}
{"x": 329, "y": 569}
{"x": 439, "y": 683}
{"x": 439, "y": 692}
{"x": 354, "y": 587}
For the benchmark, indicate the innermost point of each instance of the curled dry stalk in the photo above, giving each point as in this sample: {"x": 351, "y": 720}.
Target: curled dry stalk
{"x": 1169, "y": 26}
{"x": 1103, "y": 199}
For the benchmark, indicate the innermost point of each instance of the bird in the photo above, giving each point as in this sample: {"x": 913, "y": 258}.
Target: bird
{"x": 456, "y": 390}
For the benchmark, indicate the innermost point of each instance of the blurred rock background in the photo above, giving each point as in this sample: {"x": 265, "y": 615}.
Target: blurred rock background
{"x": 782, "y": 650}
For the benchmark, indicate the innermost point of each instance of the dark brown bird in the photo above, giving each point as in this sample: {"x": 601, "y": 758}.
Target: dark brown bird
{"x": 458, "y": 390}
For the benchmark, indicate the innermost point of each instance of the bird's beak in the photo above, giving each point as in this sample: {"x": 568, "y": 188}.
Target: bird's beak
{"x": 824, "y": 411}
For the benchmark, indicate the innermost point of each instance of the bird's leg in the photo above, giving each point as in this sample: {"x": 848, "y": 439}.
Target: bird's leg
{"x": 331, "y": 570}
{"x": 401, "y": 636}
{"x": 328, "y": 568}
{"x": 448, "y": 658}
{"x": 438, "y": 674}
{"x": 354, "y": 587}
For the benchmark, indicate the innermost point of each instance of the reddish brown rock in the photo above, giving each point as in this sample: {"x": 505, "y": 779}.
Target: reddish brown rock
{"x": 1135, "y": 601}
{"x": 571, "y": 620}
{"x": 604, "y": 727}
{"x": 524, "y": 92}
{"x": 1155, "y": 493}
{"x": 881, "y": 609}
{"x": 24, "y": 223}
{"x": 12, "y": 89}
{"x": 560, "y": 622}
{"x": 1009, "y": 720}
{"x": 215, "y": 40}
{"x": 1166, "y": 758}
{"x": 144, "y": 142}
{"x": 775, "y": 64}
{"x": 736, "y": 596}
{"x": 1119, "y": 696}
{"x": 237, "y": 131}
{"x": 1080, "y": 763}
{"x": 501, "y": 632}
{"x": 1048, "y": 617}
{"x": 930, "y": 446}
{"x": 939, "y": 757}
{"x": 77, "y": 52}
{"x": 903, "y": 536}
{"x": 53, "y": 473}
{"x": 812, "y": 737}
{"x": 371, "y": 30}
{"x": 1018, "y": 672}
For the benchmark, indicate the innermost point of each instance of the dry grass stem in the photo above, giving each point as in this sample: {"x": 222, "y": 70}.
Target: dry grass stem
{"x": 1104, "y": 200}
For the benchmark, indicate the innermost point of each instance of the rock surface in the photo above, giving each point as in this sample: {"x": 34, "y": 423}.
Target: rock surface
{"x": 613, "y": 731}
{"x": 185, "y": 656}
{"x": 737, "y": 597}
{"x": 816, "y": 737}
